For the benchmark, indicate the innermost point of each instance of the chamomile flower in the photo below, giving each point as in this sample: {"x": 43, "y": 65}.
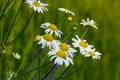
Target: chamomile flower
{"x": 46, "y": 40}
{"x": 60, "y": 57}
{"x": 66, "y": 11}
{"x": 16, "y": 55}
{"x": 89, "y": 22}
{"x": 51, "y": 28}
{"x": 65, "y": 47}
{"x": 91, "y": 52}
{"x": 81, "y": 44}
{"x": 37, "y": 5}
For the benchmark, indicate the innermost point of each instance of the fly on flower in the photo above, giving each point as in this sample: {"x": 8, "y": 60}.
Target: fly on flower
{"x": 37, "y": 5}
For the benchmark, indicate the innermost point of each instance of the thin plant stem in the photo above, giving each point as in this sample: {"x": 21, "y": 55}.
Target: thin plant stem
{"x": 2, "y": 14}
{"x": 22, "y": 30}
{"x": 21, "y": 34}
{"x": 44, "y": 58}
{"x": 32, "y": 70}
{"x": 0, "y": 5}
{"x": 12, "y": 25}
{"x": 33, "y": 59}
{"x": 77, "y": 69}
{"x": 66, "y": 36}
{"x": 48, "y": 72}
{"x": 9, "y": 7}
{"x": 62, "y": 22}
{"x": 1, "y": 30}
{"x": 67, "y": 26}
{"x": 85, "y": 33}
{"x": 63, "y": 73}
{"x": 39, "y": 64}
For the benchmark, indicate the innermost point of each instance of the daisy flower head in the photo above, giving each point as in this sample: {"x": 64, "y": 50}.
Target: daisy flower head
{"x": 37, "y": 5}
{"x": 46, "y": 40}
{"x": 51, "y": 28}
{"x": 65, "y": 47}
{"x": 81, "y": 44}
{"x": 91, "y": 52}
{"x": 89, "y": 22}
{"x": 66, "y": 11}
{"x": 60, "y": 57}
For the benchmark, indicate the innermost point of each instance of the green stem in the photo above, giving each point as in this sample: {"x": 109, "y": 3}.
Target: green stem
{"x": 67, "y": 26}
{"x": 85, "y": 33}
{"x": 9, "y": 7}
{"x": 39, "y": 64}
{"x": 2, "y": 12}
{"x": 48, "y": 72}
{"x": 33, "y": 59}
{"x": 63, "y": 22}
{"x": 21, "y": 31}
{"x": 87, "y": 61}
{"x": 11, "y": 26}
{"x": 19, "y": 36}
{"x": 1, "y": 29}
{"x": 31, "y": 70}
{"x": 0, "y": 5}
{"x": 66, "y": 36}
{"x": 63, "y": 73}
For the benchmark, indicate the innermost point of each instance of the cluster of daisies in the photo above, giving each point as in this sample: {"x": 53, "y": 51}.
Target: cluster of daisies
{"x": 62, "y": 52}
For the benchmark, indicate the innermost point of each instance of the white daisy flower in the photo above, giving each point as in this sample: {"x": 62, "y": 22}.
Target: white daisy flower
{"x": 37, "y": 5}
{"x": 65, "y": 47}
{"x": 16, "y": 55}
{"x": 89, "y": 22}
{"x": 51, "y": 28}
{"x": 66, "y": 11}
{"x": 46, "y": 40}
{"x": 60, "y": 57}
{"x": 91, "y": 52}
{"x": 81, "y": 44}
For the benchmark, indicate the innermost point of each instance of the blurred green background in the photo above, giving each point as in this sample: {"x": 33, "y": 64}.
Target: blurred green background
{"x": 106, "y": 14}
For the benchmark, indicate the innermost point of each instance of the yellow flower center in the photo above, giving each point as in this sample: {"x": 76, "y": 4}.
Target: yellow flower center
{"x": 61, "y": 54}
{"x": 64, "y": 46}
{"x": 83, "y": 44}
{"x": 91, "y": 53}
{"x": 37, "y": 38}
{"x": 35, "y": 3}
{"x": 48, "y": 37}
{"x": 53, "y": 27}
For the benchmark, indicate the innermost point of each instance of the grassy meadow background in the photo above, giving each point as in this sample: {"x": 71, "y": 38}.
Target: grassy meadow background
{"x": 106, "y": 39}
